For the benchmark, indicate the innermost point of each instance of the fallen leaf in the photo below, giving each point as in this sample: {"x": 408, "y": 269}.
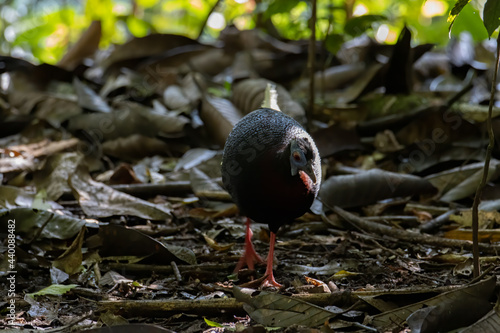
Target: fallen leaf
{"x": 248, "y": 96}
{"x": 194, "y": 157}
{"x": 370, "y": 186}
{"x": 29, "y": 221}
{"x": 219, "y": 116}
{"x": 88, "y": 98}
{"x": 452, "y": 309}
{"x": 204, "y": 186}
{"x": 110, "y": 319}
{"x": 488, "y": 324}
{"x": 53, "y": 178}
{"x": 119, "y": 241}
{"x": 275, "y": 310}
{"x": 99, "y": 200}
{"x": 70, "y": 261}
{"x": 54, "y": 289}
{"x": 86, "y": 45}
{"x": 486, "y": 219}
{"x": 216, "y": 246}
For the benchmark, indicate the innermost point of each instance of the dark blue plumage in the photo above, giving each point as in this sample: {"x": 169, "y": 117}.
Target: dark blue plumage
{"x": 271, "y": 167}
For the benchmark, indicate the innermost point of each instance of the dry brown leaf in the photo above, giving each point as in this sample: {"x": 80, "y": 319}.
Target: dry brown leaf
{"x": 356, "y": 89}
{"x": 97, "y": 199}
{"x": 248, "y": 96}
{"x": 151, "y": 45}
{"x": 334, "y": 77}
{"x": 128, "y": 119}
{"x": 216, "y": 246}
{"x": 194, "y": 157}
{"x": 486, "y": 219}
{"x": 272, "y": 309}
{"x": 88, "y": 99}
{"x": 124, "y": 174}
{"x": 47, "y": 148}
{"x": 174, "y": 98}
{"x": 488, "y": 324}
{"x": 53, "y": 177}
{"x": 204, "y": 186}
{"x": 369, "y": 187}
{"x": 71, "y": 260}
{"x": 219, "y": 116}
{"x": 18, "y": 163}
{"x": 485, "y": 235}
{"x": 83, "y": 48}
{"x": 24, "y": 102}
{"x": 461, "y": 182}
{"x": 120, "y": 241}
{"x": 134, "y": 146}
{"x": 450, "y": 304}
{"x": 211, "y": 61}
{"x": 431, "y": 128}
{"x": 335, "y": 139}
{"x": 252, "y": 39}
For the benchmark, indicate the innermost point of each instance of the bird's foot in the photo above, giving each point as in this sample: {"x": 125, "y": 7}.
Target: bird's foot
{"x": 249, "y": 258}
{"x": 269, "y": 281}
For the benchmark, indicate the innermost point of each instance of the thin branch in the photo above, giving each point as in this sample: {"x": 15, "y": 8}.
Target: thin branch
{"x": 482, "y": 184}
{"x": 311, "y": 62}
{"x": 409, "y": 236}
{"x": 204, "y": 24}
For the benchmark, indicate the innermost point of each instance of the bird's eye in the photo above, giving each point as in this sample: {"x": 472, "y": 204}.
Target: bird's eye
{"x": 296, "y": 156}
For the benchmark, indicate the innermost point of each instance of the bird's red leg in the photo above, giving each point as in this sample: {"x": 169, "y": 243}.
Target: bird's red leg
{"x": 270, "y": 281}
{"x": 250, "y": 256}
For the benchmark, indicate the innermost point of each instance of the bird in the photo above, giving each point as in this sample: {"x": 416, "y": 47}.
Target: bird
{"x": 271, "y": 168}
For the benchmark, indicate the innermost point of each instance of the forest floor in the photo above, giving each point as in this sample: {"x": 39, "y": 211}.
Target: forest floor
{"x": 115, "y": 219}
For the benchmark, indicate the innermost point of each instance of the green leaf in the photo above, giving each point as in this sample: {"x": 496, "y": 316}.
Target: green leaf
{"x": 55, "y": 289}
{"x": 40, "y": 200}
{"x": 333, "y": 42}
{"x": 470, "y": 21}
{"x": 358, "y": 25}
{"x": 212, "y": 323}
{"x": 455, "y": 11}
{"x": 137, "y": 284}
{"x": 280, "y": 6}
{"x": 491, "y": 16}
{"x": 137, "y": 27}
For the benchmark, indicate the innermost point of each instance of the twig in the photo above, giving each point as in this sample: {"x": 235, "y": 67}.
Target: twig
{"x": 177, "y": 274}
{"x": 368, "y": 328}
{"x": 217, "y": 306}
{"x": 437, "y": 221}
{"x": 468, "y": 84}
{"x": 311, "y": 63}
{"x": 483, "y": 274}
{"x": 413, "y": 237}
{"x": 207, "y": 17}
{"x": 363, "y": 234}
{"x": 325, "y": 62}
{"x": 164, "y": 308}
{"x": 167, "y": 269}
{"x": 482, "y": 184}
{"x": 39, "y": 231}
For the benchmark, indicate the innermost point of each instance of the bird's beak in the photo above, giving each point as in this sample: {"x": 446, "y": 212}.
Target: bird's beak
{"x": 309, "y": 170}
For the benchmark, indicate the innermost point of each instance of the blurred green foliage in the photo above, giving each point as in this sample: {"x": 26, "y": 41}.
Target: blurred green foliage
{"x": 42, "y": 30}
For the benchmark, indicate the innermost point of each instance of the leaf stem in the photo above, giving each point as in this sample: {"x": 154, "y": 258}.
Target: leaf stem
{"x": 311, "y": 63}
{"x": 482, "y": 184}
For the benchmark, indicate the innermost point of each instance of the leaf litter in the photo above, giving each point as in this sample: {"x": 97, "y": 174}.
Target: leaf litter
{"x": 112, "y": 177}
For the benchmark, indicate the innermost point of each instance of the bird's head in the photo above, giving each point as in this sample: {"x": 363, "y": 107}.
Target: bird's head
{"x": 302, "y": 157}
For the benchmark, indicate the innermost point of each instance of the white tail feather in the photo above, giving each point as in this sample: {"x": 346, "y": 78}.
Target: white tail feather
{"x": 271, "y": 98}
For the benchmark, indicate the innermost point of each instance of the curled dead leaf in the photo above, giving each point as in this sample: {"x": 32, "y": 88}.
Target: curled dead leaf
{"x": 249, "y": 94}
